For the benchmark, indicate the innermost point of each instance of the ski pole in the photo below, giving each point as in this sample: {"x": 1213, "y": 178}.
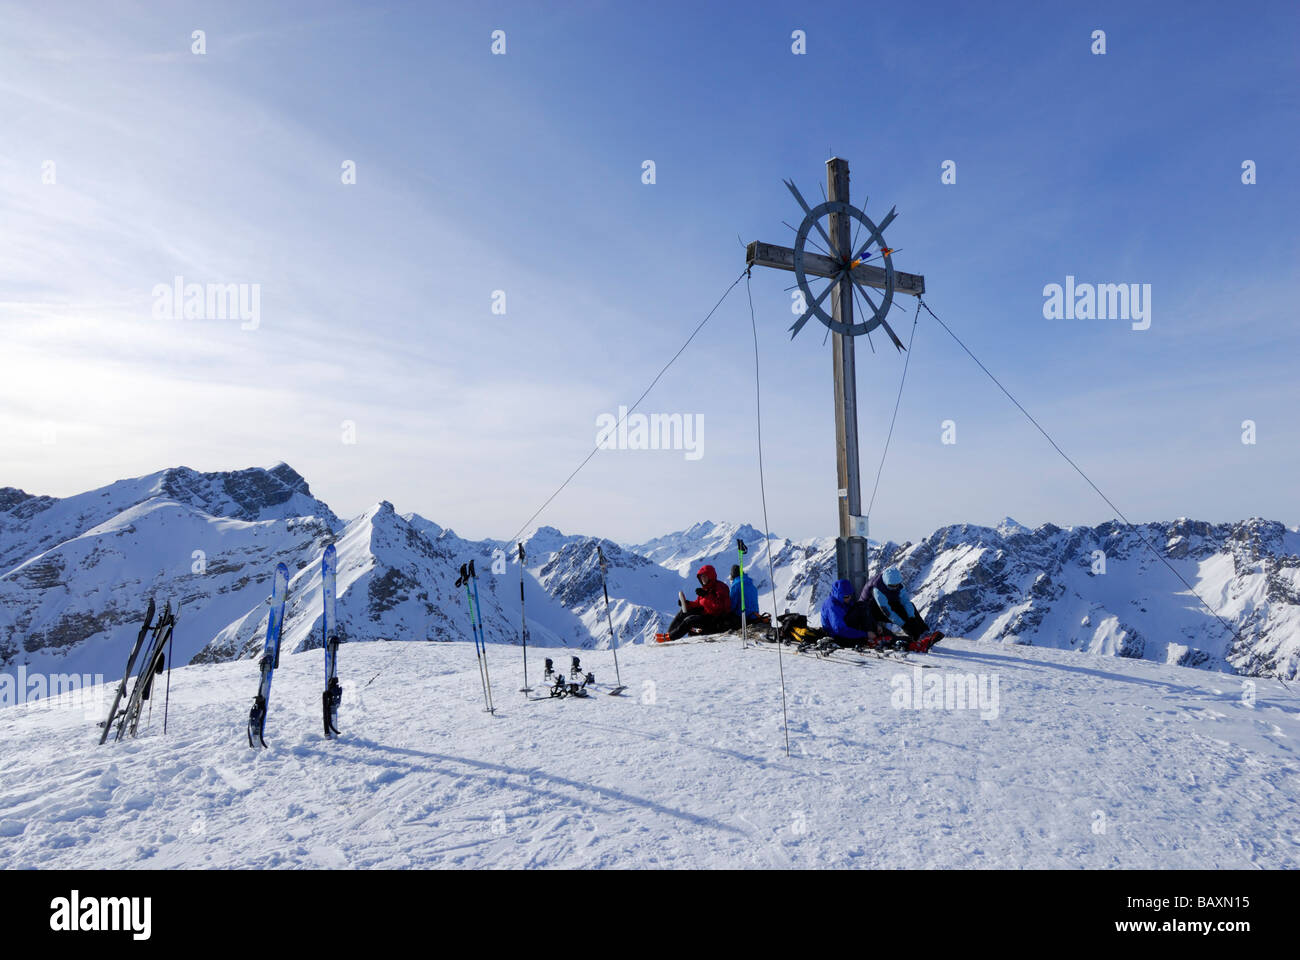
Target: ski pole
{"x": 478, "y": 613}
{"x": 613, "y": 641}
{"x": 744, "y": 632}
{"x": 523, "y": 621}
{"x": 167, "y": 697}
{"x": 164, "y": 640}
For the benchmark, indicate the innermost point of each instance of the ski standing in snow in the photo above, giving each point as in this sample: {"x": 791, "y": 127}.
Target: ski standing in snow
{"x": 155, "y": 657}
{"x": 270, "y": 657}
{"x": 130, "y": 662}
{"x": 333, "y": 695}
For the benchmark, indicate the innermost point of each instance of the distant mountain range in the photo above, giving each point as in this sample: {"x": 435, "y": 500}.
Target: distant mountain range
{"x": 76, "y": 574}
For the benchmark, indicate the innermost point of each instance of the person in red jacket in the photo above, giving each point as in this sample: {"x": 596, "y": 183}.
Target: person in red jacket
{"x": 711, "y": 613}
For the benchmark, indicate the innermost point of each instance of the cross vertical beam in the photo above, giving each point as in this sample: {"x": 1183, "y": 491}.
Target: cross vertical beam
{"x": 836, "y": 266}
{"x": 850, "y": 549}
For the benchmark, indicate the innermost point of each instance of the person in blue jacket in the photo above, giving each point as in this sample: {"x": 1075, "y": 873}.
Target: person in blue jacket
{"x": 838, "y": 614}
{"x": 889, "y": 607}
{"x": 742, "y": 585}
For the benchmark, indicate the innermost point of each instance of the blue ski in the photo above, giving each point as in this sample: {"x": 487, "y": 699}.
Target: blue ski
{"x": 270, "y": 656}
{"x": 333, "y": 695}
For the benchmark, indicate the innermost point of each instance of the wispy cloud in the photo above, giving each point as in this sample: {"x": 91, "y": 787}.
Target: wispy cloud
{"x": 522, "y": 175}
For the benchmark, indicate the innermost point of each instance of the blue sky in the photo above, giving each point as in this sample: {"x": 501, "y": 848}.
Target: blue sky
{"x": 522, "y": 173}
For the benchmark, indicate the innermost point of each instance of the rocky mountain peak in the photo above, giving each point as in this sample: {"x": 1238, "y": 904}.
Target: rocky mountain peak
{"x": 253, "y": 494}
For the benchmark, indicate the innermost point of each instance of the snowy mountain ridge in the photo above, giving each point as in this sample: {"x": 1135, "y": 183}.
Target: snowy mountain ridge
{"x": 76, "y": 573}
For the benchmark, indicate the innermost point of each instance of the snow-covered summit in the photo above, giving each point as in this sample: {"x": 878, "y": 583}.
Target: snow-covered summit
{"x": 704, "y": 542}
{"x": 1009, "y": 527}
{"x": 545, "y": 542}
{"x": 30, "y": 524}
{"x": 427, "y": 527}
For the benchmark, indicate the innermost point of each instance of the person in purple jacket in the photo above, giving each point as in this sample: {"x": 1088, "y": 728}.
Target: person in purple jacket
{"x": 889, "y": 609}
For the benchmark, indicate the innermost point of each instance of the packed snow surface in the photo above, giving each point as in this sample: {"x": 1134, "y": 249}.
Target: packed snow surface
{"x": 1081, "y": 761}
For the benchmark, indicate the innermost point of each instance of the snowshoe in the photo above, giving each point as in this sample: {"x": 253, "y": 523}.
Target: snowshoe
{"x": 818, "y": 645}
{"x": 681, "y": 600}
{"x": 662, "y": 638}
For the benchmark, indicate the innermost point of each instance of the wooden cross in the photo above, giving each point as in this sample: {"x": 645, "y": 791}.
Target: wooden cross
{"x": 851, "y": 546}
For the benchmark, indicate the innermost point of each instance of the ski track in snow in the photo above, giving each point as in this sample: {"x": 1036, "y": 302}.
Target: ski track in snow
{"x": 1091, "y": 762}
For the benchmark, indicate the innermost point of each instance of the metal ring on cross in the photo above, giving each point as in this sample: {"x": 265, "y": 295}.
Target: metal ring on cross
{"x": 860, "y": 241}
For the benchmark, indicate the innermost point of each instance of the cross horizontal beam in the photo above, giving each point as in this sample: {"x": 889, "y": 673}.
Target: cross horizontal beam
{"x": 782, "y": 258}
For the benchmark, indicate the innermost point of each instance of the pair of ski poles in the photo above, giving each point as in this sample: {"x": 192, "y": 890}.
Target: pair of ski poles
{"x": 469, "y": 580}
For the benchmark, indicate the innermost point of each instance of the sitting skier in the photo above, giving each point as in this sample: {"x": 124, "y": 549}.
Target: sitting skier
{"x": 744, "y": 596}
{"x": 888, "y": 607}
{"x": 711, "y": 613}
{"x": 838, "y": 616}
